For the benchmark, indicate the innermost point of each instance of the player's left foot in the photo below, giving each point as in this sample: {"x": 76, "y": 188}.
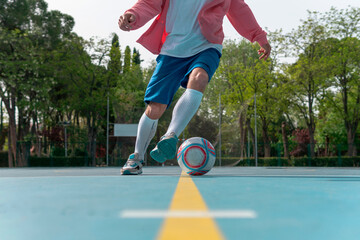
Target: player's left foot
{"x": 165, "y": 149}
{"x": 133, "y": 165}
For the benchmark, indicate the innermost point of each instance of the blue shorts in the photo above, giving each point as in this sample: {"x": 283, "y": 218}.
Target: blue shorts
{"x": 171, "y": 73}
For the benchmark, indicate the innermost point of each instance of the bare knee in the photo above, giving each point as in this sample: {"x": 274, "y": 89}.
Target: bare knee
{"x": 155, "y": 110}
{"x": 198, "y": 79}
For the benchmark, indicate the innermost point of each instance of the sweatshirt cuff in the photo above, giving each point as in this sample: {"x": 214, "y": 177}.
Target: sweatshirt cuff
{"x": 134, "y": 25}
{"x": 262, "y": 40}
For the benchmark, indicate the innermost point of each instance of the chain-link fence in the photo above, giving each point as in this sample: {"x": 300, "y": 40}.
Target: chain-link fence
{"x": 232, "y": 154}
{"x": 274, "y": 154}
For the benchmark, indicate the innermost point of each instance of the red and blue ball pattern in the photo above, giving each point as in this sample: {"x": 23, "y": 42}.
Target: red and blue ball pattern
{"x": 196, "y": 156}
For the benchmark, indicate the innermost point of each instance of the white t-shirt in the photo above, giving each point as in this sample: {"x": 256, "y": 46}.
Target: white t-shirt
{"x": 185, "y": 38}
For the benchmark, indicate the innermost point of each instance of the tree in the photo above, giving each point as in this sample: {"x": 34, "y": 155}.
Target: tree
{"x": 136, "y": 60}
{"x": 27, "y": 32}
{"x": 331, "y": 131}
{"x": 127, "y": 60}
{"x": 128, "y": 102}
{"x": 229, "y": 83}
{"x": 84, "y": 80}
{"x": 308, "y": 76}
{"x": 115, "y": 64}
{"x": 239, "y": 77}
{"x": 344, "y": 27}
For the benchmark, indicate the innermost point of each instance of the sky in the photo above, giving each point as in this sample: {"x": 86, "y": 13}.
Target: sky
{"x": 95, "y": 18}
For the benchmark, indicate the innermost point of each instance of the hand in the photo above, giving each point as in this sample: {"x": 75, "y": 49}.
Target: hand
{"x": 126, "y": 20}
{"x": 264, "y": 51}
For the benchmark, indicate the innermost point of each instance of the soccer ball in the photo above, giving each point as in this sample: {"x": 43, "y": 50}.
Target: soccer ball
{"x": 196, "y": 156}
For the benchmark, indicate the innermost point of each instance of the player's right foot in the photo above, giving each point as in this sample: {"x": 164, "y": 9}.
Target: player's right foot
{"x": 133, "y": 165}
{"x": 165, "y": 149}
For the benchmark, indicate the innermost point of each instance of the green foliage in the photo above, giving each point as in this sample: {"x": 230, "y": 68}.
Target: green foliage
{"x": 136, "y": 60}
{"x": 28, "y": 35}
{"x": 81, "y": 83}
{"x": 3, "y": 135}
{"x": 127, "y": 60}
{"x": 238, "y": 79}
{"x": 200, "y": 126}
{"x": 115, "y": 65}
{"x": 331, "y": 127}
{"x": 319, "y": 91}
{"x": 128, "y": 101}
{"x": 300, "y": 162}
{"x": 58, "y": 152}
{"x": 324, "y": 48}
{"x": 49, "y": 75}
{"x": 58, "y": 162}
{"x": 4, "y": 159}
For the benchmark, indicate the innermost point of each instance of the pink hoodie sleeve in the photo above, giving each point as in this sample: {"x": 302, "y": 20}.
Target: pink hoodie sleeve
{"x": 243, "y": 20}
{"x": 144, "y": 11}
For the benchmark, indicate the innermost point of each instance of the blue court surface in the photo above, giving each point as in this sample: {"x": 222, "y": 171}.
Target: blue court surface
{"x": 228, "y": 203}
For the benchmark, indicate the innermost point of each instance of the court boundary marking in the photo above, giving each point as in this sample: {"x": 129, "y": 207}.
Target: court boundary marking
{"x": 188, "y": 214}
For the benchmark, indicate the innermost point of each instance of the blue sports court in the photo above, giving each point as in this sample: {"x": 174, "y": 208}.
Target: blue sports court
{"x": 227, "y": 203}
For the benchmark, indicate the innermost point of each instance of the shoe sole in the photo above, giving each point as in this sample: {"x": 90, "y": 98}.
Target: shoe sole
{"x": 158, "y": 156}
{"x": 130, "y": 172}
{"x": 166, "y": 150}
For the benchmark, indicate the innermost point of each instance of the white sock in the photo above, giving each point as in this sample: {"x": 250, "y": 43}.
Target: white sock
{"x": 146, "y": 131}
{"x": 184, "y": 110}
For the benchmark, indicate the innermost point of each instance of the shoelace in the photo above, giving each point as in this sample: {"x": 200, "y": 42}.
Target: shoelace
{"x": 131, "y": 163}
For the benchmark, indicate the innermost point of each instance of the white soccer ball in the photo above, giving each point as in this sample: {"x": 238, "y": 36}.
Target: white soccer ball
{"x": 196, "y": 156}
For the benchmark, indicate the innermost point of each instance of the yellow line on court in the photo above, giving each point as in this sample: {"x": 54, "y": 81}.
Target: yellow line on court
{"x": 188, "y": 198}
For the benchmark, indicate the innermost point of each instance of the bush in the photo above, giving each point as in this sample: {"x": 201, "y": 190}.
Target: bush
{"x": 4, "y": 159}
{"x": 58, "y": 151}
{"x": 80, "y": 152}
{"x": 58, "y": 162}
{"x": 266, "y": 162}
{"x": 304, "y": 162}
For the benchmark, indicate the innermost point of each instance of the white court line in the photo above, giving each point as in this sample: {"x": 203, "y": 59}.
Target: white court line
{"x": 187, "y": 214}
{"x": 117, "y": 176}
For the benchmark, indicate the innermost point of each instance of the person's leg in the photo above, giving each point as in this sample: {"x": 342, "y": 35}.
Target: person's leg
{"x": 159, "y": 93}
{"x": 183, "y": 112}
{"x": 189, "y": 102}
{"x": 147, "y": 127}
{"x": 201, "y": 67}
{"x": 146, "y": 131}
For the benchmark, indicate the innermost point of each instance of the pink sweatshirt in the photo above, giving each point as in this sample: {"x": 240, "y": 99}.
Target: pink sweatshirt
{"x": 210, "y": 19}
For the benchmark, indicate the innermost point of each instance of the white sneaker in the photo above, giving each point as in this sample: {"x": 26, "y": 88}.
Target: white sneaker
{"x": 133, "y": 165}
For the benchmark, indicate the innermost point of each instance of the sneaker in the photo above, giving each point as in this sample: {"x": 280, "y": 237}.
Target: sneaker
{"x": 165, "y": 149}
{"x": 133, "y": 165}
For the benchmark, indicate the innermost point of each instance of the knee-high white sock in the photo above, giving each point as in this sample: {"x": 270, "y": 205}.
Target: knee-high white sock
{"x": 184, "y": 110}
{"x": 146, "y": 131}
